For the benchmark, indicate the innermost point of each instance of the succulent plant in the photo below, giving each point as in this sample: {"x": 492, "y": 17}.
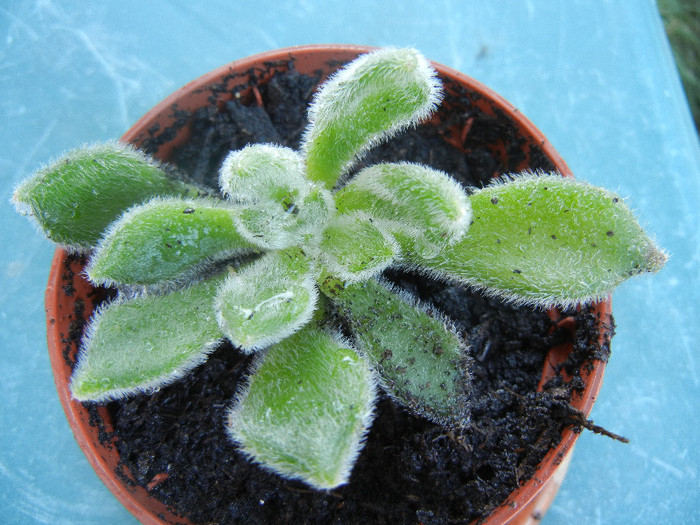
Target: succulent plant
{"x": 292, "y": 243}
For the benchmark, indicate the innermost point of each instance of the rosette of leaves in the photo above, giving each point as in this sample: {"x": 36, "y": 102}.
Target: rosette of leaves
{"x": 292, "y": 237}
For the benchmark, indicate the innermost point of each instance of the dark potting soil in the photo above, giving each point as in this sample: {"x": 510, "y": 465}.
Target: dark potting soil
{"x": 410, "y": 471}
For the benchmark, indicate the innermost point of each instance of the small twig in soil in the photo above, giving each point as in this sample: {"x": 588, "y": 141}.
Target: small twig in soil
{"x": 588, "y": 424}
{"x": 578, "y": 418}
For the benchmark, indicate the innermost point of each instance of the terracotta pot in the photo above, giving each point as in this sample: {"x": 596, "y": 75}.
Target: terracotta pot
{"x": 70, "y": 299}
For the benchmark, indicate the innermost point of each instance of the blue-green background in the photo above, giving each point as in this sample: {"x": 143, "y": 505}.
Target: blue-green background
{"x": 597, "y": 77}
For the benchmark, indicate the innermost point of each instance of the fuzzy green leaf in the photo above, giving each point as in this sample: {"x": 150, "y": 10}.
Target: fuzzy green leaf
{"x": 76, "y": 197}
{"x": 264, "y": 172}
{"x": 425, "y": 209}
{"x": 141, "y": 344}
{"x": 421, "y": 362}
{"x": 268, "y": 300}
{"x": 354, "y": 249}
{"x": 548, "y": 240}
{"x": 363, "y": 104}
{"x": 306, "y": 409}
{"x": 166, "y": 240}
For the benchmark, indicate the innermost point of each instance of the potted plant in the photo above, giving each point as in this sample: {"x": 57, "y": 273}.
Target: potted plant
{"x": 284, "y": 264}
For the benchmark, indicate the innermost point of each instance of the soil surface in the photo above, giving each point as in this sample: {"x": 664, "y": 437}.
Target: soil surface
{"x": 410, "y": 470}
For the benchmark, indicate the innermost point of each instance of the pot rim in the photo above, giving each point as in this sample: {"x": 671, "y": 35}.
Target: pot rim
{"x": 508, "y": 511}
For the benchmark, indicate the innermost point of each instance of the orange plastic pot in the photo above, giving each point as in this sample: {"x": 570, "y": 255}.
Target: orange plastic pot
{"x": 70, "y": 298}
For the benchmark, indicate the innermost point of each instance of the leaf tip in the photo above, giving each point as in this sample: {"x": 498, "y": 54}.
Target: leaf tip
{"x": 655, "y": 258}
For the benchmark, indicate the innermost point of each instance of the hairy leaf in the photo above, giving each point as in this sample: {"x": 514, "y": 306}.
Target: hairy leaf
{"x": 363, "y": 104}
{"x": 264, "y": 172}
{"x": 142, "y": 344}
{"x": 424, "y": 208}
{"x": 306, "y": 409}
{"x": 268, "y": 300}
{"x": 76, "y": 197}
{"x": 166, "y": 240}
{"x": 354, "y": 249}
{"x": 421, "y": 362}
{"x": 548, "y": 240}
